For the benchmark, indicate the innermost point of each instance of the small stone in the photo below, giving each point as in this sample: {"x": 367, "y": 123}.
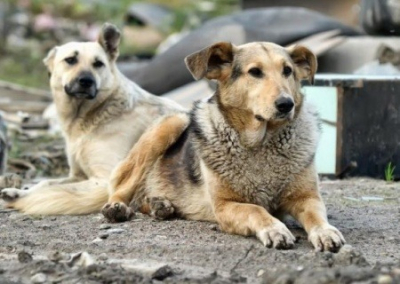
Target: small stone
{"x": 97, "y": 240}
{"x": 260, "y": 272}
{"x": 53, "y": 219}
{"x": 104, "y": 226}
{"x": 24, "y": 257}
{"x": 39, "y": 278}
{"x": 103, "y": 236}
{"x": 57, "y": 256}
{"x": 115, "y": 231}
{"x": 213, "y": 227}
{"x": 103, "y": 256}
{"x": 385, "y": 279}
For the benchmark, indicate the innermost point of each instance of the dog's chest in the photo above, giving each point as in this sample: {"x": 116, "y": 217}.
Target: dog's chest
{"x": 259, "y": 175}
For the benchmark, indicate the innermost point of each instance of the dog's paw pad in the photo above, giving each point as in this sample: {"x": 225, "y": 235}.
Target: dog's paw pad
{"x": 276, "y": 235}
{"x": 10, "y": 194}
{"x": 117, "y": 212}
{"x": 326, "y": 238}
{"x": 160, "y": 208}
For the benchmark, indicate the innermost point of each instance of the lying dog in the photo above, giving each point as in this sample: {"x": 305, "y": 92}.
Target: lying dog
{"x": 244, "y": 156}
{"x": 102, "y": 115}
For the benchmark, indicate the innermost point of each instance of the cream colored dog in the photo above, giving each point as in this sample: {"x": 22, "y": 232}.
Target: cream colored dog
{"x": 102, "y": 115}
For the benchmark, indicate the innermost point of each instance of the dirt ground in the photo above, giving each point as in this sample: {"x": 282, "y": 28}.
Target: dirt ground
{"x": 46, "y": 249}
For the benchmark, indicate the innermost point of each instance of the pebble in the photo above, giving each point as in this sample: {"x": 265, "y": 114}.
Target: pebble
{"x": 39, "y": 278}
{"x": 115, "y": 231}
{"x": 213, "y": 227}
{"x": 103, "y": 256}
{"x": 260, "y": 272}
{"x": 104, "y": 226}
{"x": 97, "y": 240}
{"x": 24, "y": 257}
{"x": 103, "y": 236}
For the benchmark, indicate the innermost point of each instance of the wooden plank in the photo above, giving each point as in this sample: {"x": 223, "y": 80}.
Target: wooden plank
{"x": 16, "y": 91}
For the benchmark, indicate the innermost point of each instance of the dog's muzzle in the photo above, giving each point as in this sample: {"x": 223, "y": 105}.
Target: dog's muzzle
{"x": 83, "y": 87}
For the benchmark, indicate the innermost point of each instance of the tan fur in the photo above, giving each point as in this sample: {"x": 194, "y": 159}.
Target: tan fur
{"x": 241, "y": 160}
{"x": 99, "y": 132}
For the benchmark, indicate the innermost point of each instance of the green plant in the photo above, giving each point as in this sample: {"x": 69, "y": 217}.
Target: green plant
{"x": 389, "y": 170}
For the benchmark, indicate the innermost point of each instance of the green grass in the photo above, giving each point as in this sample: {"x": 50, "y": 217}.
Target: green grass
{"x": 23, "y": 67}
{"x": 389, "y": 170}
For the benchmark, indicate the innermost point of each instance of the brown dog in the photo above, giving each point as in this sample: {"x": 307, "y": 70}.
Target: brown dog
{"x": 244, "y": 156}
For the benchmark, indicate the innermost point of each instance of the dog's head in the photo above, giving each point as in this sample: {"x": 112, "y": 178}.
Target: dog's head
{"x": 258, "y": 83}
{"x": 84, "y": 69}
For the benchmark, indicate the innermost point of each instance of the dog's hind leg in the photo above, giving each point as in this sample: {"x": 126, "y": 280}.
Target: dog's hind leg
{"x": 130, "y": 174}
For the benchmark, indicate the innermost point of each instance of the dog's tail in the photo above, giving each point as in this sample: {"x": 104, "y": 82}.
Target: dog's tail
{"x": 70, "y": 199}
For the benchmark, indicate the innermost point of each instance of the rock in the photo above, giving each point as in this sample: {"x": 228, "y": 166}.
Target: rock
{"x": 153, "y": 270}
{"x": 39, "y": 278}
{"x": 103, "y": 236}
{"x": 97, "y": 240}
{"x": 115, "y": 231}
{"x": 104, "y": 226}
{"x": 81, "y": 259}
{"x": 213, "y": 227}
{"x": 348, "y": 255}
{"x": 260, "y": 272}
{"x": 24, "y": 257}
{"x": 385, "y": 279}
{"x": 57, "y": 256}
{"x": 103, "y": 256}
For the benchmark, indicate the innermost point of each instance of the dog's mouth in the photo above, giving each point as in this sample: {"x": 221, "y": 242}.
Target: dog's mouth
{"x": 278, "y": 117}
{"x": 81, "y": 94}
{"x": 284, "y": 116}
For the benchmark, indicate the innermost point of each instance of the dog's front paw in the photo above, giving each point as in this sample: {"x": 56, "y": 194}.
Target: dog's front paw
{"x": 117, "y": 212}
{"x": 10, "y": 194}
{"x": 276, "y": 235}
{"x": 160, "y": 207}
{"x": 326, "y": 238}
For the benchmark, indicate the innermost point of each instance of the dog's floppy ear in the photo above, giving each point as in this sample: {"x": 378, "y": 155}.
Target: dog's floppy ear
{"x": 109, "y": 39}
{"x": 49, "y": 59}
{"x": 305, "y": 61}
{"x": 210, "y": 61}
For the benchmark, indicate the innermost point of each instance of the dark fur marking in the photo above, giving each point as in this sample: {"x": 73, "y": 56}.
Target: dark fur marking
{"x": 181, "y": 158}
{"x": 194, "y": 126}
{"x": 236, "y": 72}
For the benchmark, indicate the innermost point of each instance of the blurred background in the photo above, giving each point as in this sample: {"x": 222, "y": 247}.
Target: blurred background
{"x": 29, "y": 28}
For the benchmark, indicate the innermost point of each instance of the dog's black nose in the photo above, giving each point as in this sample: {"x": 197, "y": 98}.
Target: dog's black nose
{"x": 284, "y": 105}
{"x": 86, "y": 81}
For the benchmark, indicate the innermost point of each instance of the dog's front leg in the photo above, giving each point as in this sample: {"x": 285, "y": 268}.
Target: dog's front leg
{"x": 249, "y": 219}
{"x": 304, "y": 203}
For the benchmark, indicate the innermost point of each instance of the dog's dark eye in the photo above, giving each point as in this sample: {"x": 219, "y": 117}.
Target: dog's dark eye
{"x": 98, "y": 64}
{"x": 287, "y": 71}
{"x": 71, "y": 60}
{"x": 256, "y": 72}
